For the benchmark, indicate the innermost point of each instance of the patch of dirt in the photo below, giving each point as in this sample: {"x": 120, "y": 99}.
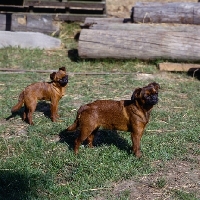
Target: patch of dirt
{"x": 14, "y": 128}
{"x": 174, "y": 176}
{"x": 122, "y": 9}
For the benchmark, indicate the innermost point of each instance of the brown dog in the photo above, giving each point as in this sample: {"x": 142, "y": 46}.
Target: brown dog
{"x": 125, "y": 115}
{"x": 50, "y": 91}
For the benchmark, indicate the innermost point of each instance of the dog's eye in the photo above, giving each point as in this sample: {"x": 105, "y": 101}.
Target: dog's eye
{"x": 147, "y": 95}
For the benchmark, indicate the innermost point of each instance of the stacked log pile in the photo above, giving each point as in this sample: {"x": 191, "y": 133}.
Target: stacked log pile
{"x": 111, "y": 38}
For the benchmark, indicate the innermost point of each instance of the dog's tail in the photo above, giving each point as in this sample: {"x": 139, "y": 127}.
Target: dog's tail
{"x": 75, "y": 125}
{"x": 19, "y": 104}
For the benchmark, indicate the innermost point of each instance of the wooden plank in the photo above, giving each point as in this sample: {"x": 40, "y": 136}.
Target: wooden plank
{"x": 4, "y": 23}
{"x": 184, "y": 13}
{"x": 34, "y": 23}
{"x": 10, "y": 6}
{"x": 99, "y": 5}
{"x": 28, "y": 22}
{"x": 178, "y": 67}
{"x": 145, "y": 45}
{"x": 44, "y": 22}
{"x": 68, "y": 10}
{"x": 143, "y": 27}
{"x": 75, "y": 17}
{"x": 43, "y": 3}
{"x": 90, "y": 20}
{"x": 82, "y": 4}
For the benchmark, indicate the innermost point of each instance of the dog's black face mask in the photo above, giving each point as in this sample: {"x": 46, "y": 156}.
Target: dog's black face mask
{"x": 63, "y": 82}
{"x": 151, "y": 99}
{"x": 148, "y": 95}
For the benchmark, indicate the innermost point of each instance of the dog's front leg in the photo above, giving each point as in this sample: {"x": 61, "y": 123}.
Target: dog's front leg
{"x": 54, "y": 110}
{"x": 136, "y": 136}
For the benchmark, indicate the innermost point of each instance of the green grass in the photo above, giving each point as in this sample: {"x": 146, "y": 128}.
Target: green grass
{"x": 38, "y": 162}
{"x": 180, "y": 195}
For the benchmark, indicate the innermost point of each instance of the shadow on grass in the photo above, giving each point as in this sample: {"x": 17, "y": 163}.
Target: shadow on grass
{"x": 73, "y": 55}
{"x": 20, "y": 185}
{"x": 195, "y": 73}
{"x": 42, "y": 106}
{"x": 102, "y": 137}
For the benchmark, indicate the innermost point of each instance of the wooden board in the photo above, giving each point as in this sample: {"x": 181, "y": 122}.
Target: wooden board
{"x": 61, "y": 10}
{"x": 150, "y": 12}
{"x": 75, "y": 17}
{"x": 91, "y": 20}
{"x": 28, "y": 22}
{"x": 143, "y": 27}
{"x": 79, "y": 4}
{"x": 178, "y": 67}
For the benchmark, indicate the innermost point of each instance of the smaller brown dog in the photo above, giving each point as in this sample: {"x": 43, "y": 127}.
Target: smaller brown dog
{"x": 125, "y": 115}
{"x": 50, "y": 91}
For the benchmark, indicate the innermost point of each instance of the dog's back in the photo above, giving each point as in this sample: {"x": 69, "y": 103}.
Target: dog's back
{"x": 108, "y": 114}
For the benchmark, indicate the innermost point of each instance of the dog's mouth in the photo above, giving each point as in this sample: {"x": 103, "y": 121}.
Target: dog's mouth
{"x": 63, "y": 81}
{"x": 151, "y": 99}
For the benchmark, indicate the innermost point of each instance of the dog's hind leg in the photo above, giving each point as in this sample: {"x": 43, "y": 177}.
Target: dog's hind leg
{"x": 25, "y": 114}
{"x": 30, "y": 117}
{"x": 85, "y": 133}
{"x": 31, "y": 110}
{"x": 90, "y": 138}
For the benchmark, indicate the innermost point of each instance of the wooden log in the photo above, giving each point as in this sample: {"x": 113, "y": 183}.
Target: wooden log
{"x": 146, "y": 45}
{"x": 144, "y": 27}
{"x": 28, "y": 22}
{"x": 178, "y": 67}
{"x": 183, "y": 13}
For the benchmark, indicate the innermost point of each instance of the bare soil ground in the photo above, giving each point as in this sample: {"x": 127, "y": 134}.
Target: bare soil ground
{"x": 176, "y": 175}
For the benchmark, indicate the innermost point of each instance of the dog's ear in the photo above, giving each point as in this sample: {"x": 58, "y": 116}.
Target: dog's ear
{"x": 62, "y": 68}
{"x": 155, "y": 85}
{"x": 136, "y": 94}
{"x": 52, "y": 76}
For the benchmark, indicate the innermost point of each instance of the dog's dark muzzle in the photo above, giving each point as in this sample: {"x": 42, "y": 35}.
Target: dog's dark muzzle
{"x": 63, "y": 82}
{"x": 152, "y": 99}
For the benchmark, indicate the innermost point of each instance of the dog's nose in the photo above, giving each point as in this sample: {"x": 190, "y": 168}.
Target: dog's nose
{"x": 154, "y": 96}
